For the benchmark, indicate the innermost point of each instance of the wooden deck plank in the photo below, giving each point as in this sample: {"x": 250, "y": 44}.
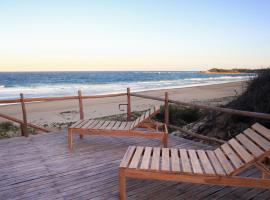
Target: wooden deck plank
{"x": 42, "y": 167}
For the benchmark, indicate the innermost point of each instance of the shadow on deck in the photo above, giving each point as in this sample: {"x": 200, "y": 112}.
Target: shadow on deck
{"x": 41, "y": 167}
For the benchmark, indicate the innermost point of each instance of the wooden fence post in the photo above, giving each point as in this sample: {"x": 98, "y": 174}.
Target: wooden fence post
{"x": 24, "y": 125}
{"x": 80, "y": 104}
{"x": 166, "y": 109}
{"x": 128, "y": 105}
{"x": 81, "y": 107}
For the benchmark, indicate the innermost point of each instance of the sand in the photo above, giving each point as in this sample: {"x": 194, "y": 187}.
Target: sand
{"x": 67, "y": 111}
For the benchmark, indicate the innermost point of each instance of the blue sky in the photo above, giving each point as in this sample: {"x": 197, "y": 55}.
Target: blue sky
{"x": 133, "y": 35}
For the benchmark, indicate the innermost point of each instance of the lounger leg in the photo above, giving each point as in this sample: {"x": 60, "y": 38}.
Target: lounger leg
{"x": 122, "y": 185}
{"x": 165, "y": 140}
{"x": 70, "y": 139}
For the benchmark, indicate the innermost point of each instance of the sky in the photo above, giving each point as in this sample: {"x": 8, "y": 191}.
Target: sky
{"x": 63, "y": 35}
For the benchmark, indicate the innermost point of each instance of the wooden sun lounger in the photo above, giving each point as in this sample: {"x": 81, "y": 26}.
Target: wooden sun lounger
{"x": 143, "y": 126}
{"x": 219, "y": 167}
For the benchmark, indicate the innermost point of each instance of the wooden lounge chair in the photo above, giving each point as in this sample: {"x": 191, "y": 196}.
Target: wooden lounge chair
{"x": 219, "y": 167}
{"x": 143, "y": 126}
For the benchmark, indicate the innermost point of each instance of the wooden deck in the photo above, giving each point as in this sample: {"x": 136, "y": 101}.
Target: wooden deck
{"x": 42, "y": 167}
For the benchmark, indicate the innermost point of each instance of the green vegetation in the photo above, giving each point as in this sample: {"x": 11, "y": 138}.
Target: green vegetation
{"x": 235, "y": 70}
{"x": 180, "y": 116}
{"x": 8, "y": 129}
{"x": 256, "y": 98}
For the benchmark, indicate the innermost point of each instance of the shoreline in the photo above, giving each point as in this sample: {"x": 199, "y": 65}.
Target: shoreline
{"x": 136, "y": 91}
{"x": 41, "y": 113}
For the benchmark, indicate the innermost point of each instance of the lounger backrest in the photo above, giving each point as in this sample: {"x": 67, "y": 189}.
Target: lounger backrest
{"x": 246, "y": 148}
{"x": 145, "y": 116}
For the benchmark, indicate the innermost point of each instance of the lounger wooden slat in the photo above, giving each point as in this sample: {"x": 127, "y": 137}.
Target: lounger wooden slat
{"x": 136, "y": 123}
{"x": 262, "y": 130}
{"x": 141, "y": 118}
{"x": 127, "y": 157}
{"x": 240, "y": 150}
{"x": 215, "y": 163}
{"x": 99, "y": 124}
{"x": 249, "y": 145}
{"x": 87, "y": 124}
{"x": 175, "y": 160}
{"x": 155, "y": 158}
{"x": 224, "y": 161}
{"x": 258, "y": 139}
{"x": 195, "y": 163}
{"x": 104, "y": 125}
{"x": 116, "y": 125}
{"x": 146, "y": 158}
{"x": 236, "y": 161}
{"x": 141, "y": 127}
{"x": 82, "y": 124}
{"x": 223, "y": 166}
{"x": 152, "y": 110}
{"x": 109, "y": 127}
{"x": 122, "y": 126}
{"x": 76, "y": 124}
{"x": 147, "y": 114}
{"x": 128, "y": 126}
{"x": 136, "y": 158}
{"x": 165, "y": 159}
{"x": 185, "y": 161}
{"x": 95, "y": 122}
{"x": 205, "y": 162}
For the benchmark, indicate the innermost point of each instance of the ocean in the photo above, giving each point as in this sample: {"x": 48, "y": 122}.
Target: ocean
{"x": 41, "y": 84}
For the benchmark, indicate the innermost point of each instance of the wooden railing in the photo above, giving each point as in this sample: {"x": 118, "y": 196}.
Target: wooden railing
{"x": 24, "y": 123}
{"x": 205, "y": 107}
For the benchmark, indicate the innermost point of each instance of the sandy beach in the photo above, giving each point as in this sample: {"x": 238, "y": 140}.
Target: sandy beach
{"x": 67, "y": 111}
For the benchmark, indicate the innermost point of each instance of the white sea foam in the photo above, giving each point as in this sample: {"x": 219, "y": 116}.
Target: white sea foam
{"x": 91, "y": 89}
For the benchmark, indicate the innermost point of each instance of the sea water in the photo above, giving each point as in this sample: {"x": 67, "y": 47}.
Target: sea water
{"x": 41, "y": 84}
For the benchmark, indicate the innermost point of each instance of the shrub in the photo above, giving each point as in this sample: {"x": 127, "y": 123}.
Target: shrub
{"x": 179, "y": 116}
{"x": 256, "y": 98}
{"x": 6, "y": 126}
{"x": 8, "y": 129}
